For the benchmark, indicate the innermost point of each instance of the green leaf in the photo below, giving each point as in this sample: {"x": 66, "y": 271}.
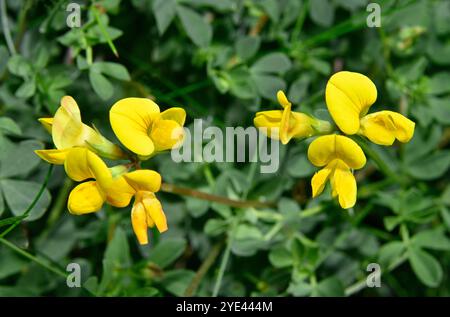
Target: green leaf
{"x": 60, "y": 240}
{"x": 322, "y": 12}
{"x": 280, "y": 257}
{"x": 440, "y": 109}
{"x": 241, "y": 83}
{"x": 114, "y": 70}
{"x": 100, "y": 84}
{"x": 19, "y": 66}
{"x": 439, "y": 84}
{"x": 116, "y": 257}
{"x": 268, "y": 85}
{"x": 425, "y": 266}
{"x": 299, "y": 166}
{"x": 164, "y": 11}
{"x": 167, "y": 251}
{"x": 198, "y": 30}
{"x": 331, "y": 286}
{"x": 20, "y": 159}
{"x": 272, "y": 8}
{"x": 430, "y": 167}
{"x": 247, "y": 46}
{"x": 432, "y": 239}
{"x": 26, "y": 90}
{"x": 276, "y": 63}
{"x": 20, "y": 194}
{"x": 445, "y": 213}
{"x": 177, "y": 281}
{"x": 4, "y": 56}
{"x": 10, "y": 263}
{"x": 248, "y": 240}
{"x": 390, "y": 252}
{"x": 9, "y": 126}
{"x": 215, "y": 227}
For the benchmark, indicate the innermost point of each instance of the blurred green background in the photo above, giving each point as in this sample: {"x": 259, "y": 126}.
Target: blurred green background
{"x": 223, "y": 60}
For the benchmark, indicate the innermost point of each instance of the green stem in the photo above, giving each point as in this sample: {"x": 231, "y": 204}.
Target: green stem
{"x": 376, "y": 158}
{"x": 206, "y": 265}
{"x": 32, "y": 258}
{"x": 299, "y": 23}
{"x": 104, "y": 32}
{"x": 33, "y": 203}
{"x": 6, "y": 30}
{"x": 358, "y": 286}
{"x": 226, "y": 256}
{"x": 60, "y": 202}
{"x": 311, "y": 211}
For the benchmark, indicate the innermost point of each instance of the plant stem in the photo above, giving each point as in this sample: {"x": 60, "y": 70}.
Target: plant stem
{"x": 206, "y": 265}
{"x": 170, "y": 188}
{"x": 33, "y": 203}
{"x": 358, "y": 286}
{"x": 299, "y": 23}
{"x": 226, "y": 256}
{"x": 60, "y": 202}
{"x": 104, "y": 31}
{"x": 32, "y": 258}
{"x": 376, "y": 158}
{"x": 6, "y": 30}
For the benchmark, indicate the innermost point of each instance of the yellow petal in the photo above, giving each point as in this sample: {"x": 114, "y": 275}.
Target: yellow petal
{"x": 47, "y": 124}
{"x": 119, "y": 194}
{"x": 325, "y": 149}
{"x": 300, "y": 125}
{"x": 285, "y": 136}
{"x": 176, "y": 114}
{"x": 282, "y": 99}
{"x": 67, "y": 128}
{"x": 319, "y": 180}
{"x": 384, "y": 127}
{"x": 82, "y": 164}
{"x": 344, "y": 184}
{"x": 85, "y": 198}
{"x": 53, "y": 156}
{"x": 154, "y": 211}
{"x": 139, "y": 222}
{"x": 144, "y": 180}
{"x": 349, "y": 96}
{"x": 271, "y": 121}
{"x": 131, "y": 120}
{"x": 166, "y": 134}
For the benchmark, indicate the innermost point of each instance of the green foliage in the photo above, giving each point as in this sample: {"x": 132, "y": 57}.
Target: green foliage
{"x": 223, "y": 61}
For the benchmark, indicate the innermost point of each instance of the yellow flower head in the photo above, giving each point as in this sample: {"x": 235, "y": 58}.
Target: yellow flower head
{"x": 143, "y": 129}
{"x": 285, "y": 124}
{"x": 337, "y": 155}
{"x": 349, "y": 96}
{"x": 147, "y": 210}
{"x": 81, "y": 164}
{"x": 68, "y": 131}
{"x": 384, "y": 127}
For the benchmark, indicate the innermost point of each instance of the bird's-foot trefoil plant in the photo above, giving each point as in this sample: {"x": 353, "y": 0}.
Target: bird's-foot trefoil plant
{"x": 349, "y": 96}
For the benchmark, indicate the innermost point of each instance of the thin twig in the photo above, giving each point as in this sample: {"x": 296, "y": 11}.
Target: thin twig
{"x": 170, "y": 188}
{"x": 204, "y": 268}
{"x": 6, "y": 30}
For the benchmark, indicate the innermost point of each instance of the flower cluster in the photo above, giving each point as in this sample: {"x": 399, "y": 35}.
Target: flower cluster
{"x": 142, "y": 129}
{"x": 349, "y": 96}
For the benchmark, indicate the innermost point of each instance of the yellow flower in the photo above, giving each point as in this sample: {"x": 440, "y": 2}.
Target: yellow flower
{"x": 147, "y": 210}
{"x": 81, "y": 164}
{"x": 68, "y": 131}
{"x": 337, "y": 155}
{"x": 349, "y": 96}
{"x": 143, "y": 129}
{"x": 384, "y": 127}
{"x": 285, "y": 124}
